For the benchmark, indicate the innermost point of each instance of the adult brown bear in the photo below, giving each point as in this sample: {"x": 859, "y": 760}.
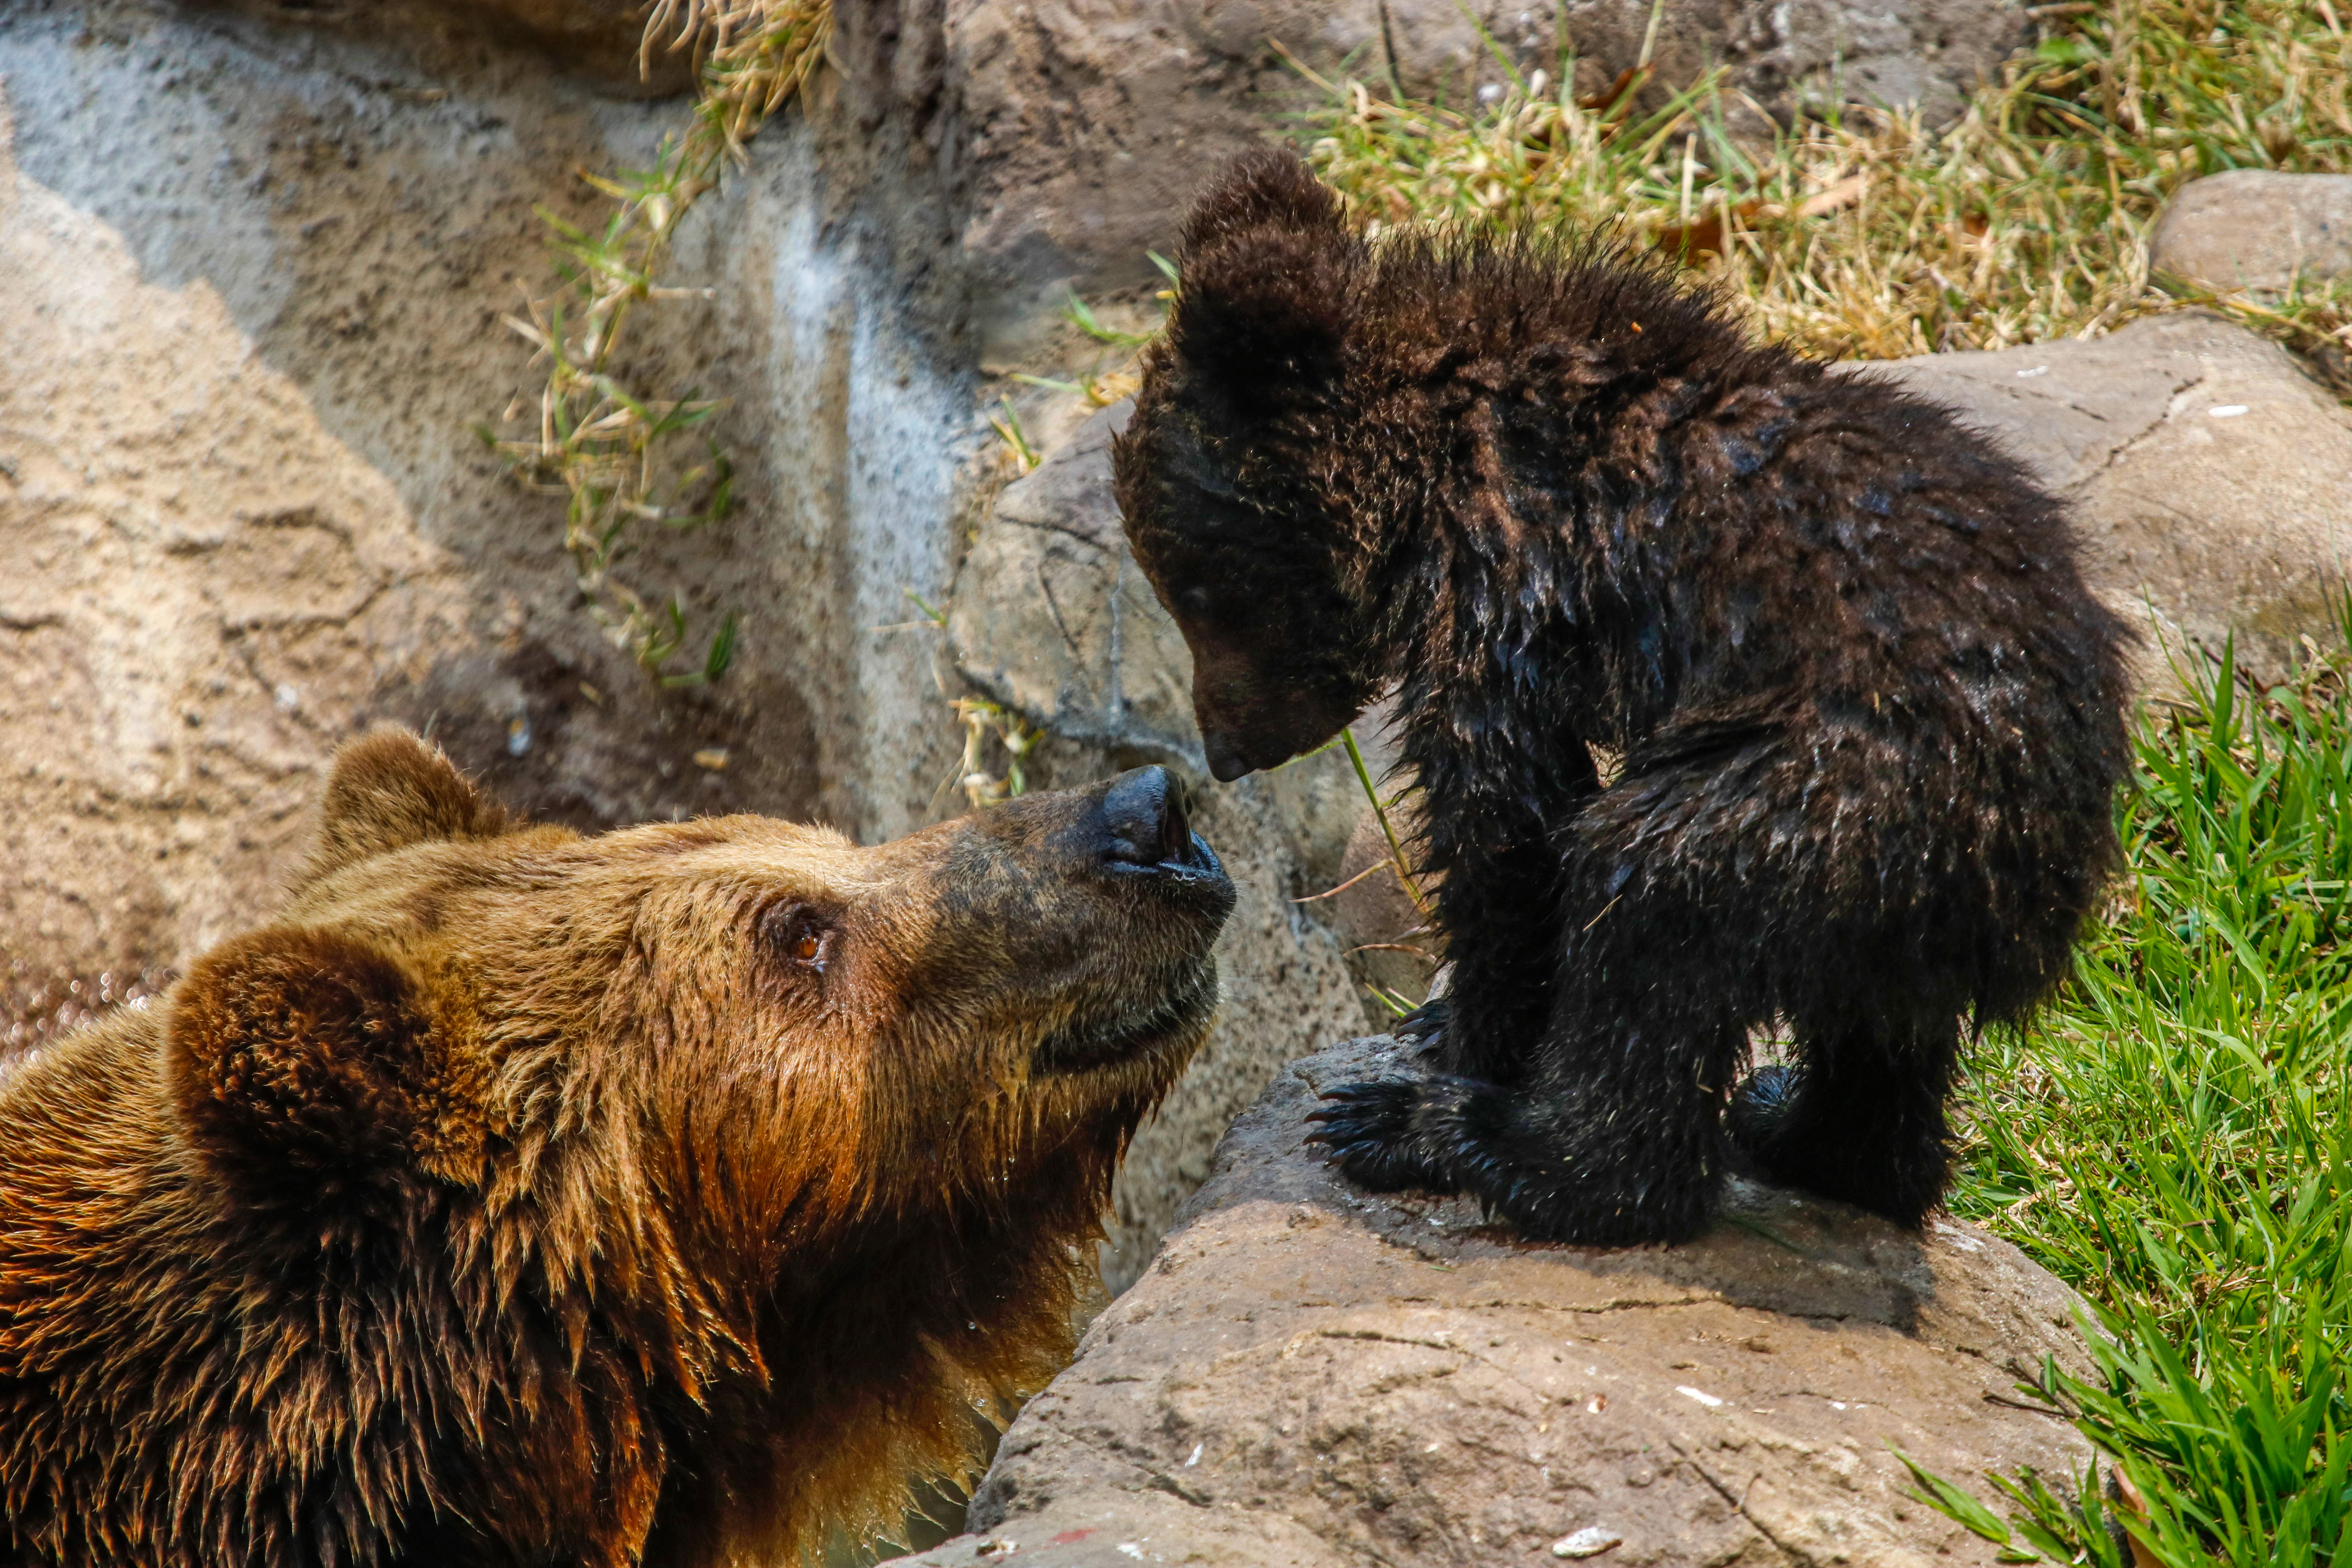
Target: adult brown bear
{"x": 1868, "y": 716}
{"x": 517, "y": 1198}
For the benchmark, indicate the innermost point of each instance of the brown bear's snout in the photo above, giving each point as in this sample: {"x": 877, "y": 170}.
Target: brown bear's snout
{"x": 1145, "y": 812}
{"x": 1093, "y": 878}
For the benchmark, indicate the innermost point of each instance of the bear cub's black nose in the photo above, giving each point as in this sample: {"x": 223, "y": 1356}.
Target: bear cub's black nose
{"x": 1145, "y": 813}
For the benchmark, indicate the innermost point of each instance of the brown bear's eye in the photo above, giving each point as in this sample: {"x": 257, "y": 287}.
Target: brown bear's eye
{"x": 798, "y": 932}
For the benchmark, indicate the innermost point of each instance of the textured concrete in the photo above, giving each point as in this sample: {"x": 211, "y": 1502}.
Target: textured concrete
{"x": 361, "y": 201}
{"x": 201, "y": 590}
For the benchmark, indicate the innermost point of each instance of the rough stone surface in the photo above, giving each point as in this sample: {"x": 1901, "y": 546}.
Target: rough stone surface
{"x": 2212, "y": 481}
{"x": 1311, "y": 1376}
{"x": 1052, "y": 616}
{"x": 2255, "y": 229}
{"x": 344, "y": 197}
{"x": 1922, "y": 54}
{"x": 1085, "y": 127}
{"x": 201, "y": 592}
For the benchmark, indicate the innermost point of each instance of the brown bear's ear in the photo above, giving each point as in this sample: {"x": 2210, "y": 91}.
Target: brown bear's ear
{"x": 388, "y": 789}
{"x": 1267, "y": 252}
{"x": 293, "y": 1057}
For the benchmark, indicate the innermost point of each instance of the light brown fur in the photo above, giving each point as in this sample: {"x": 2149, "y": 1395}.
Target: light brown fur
{"x": 519, "y": 1198}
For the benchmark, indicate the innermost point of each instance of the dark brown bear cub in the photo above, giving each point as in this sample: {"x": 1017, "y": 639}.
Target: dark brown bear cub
{"x": 1869, "y": 718}
{"x": 516, "y": 1198}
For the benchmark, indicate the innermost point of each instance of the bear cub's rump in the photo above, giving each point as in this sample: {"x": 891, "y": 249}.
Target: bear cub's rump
{"x": 1869, "y": 716}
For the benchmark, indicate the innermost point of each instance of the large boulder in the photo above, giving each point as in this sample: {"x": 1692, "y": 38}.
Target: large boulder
{"x": 2255, "y": 229}
{"x": 2211, "y": 480}
{"x": 1310, "y": 1376}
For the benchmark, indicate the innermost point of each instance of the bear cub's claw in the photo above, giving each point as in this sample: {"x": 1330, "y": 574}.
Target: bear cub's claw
{"x": 1368, "y": 1127}
{"x": 1424, "y": 1021}
{"x": 1423, "y": 1028}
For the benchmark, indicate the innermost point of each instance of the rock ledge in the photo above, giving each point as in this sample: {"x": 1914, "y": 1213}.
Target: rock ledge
{"x": 1310, "y": 1375}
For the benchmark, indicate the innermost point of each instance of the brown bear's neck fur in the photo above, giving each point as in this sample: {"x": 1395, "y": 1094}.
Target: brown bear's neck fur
{"x": 132, "y": 1298}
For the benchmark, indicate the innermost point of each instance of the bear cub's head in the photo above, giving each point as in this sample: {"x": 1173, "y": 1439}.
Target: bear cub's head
{"x": 1342, "y": 445}
{"x": 803, "y": 1033}
{"x": 1230, "y": 526}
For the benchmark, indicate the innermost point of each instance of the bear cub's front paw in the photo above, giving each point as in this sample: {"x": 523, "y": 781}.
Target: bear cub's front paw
{"x": 1368, "y": 1127}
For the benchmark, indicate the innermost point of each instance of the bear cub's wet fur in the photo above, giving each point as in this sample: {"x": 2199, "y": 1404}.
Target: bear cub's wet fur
{"x": 1866, "y": 717}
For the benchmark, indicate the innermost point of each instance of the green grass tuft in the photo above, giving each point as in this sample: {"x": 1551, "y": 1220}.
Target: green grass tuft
{"x": 2173, "y": 1137}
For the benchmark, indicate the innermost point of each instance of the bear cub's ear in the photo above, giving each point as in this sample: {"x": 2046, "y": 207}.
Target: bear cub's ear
{"x": 1271, "y": 187}
{"x": 296, "y": 1058}
{"x": 390, "y": 789}
{"x": 1267, "y": 253}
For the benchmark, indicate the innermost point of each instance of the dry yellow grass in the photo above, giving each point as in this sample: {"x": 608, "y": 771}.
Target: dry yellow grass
{"x": 1872, "y": 237}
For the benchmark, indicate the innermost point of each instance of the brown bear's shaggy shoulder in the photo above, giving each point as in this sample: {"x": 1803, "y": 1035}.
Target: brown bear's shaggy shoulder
{"x": 513, "y": 1197}
{"x": 1869, "y": 717}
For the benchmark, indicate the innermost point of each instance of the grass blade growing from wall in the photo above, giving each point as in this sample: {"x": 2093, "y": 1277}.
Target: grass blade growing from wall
{"x": 611, "y": 450}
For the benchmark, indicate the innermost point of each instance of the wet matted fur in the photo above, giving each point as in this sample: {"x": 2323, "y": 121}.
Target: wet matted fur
{"x": 517, "y": 1198}
{"x": 1868, "y": 715}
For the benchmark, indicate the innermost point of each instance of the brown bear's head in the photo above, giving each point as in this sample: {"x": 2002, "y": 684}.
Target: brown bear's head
{"x": 1236, "y": 537}
{"x": 671, "y": 1195}
{"x": 674, "y": 1054}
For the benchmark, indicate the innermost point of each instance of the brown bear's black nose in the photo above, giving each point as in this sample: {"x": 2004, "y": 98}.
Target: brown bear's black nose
{"x": 1145, "y": 813}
